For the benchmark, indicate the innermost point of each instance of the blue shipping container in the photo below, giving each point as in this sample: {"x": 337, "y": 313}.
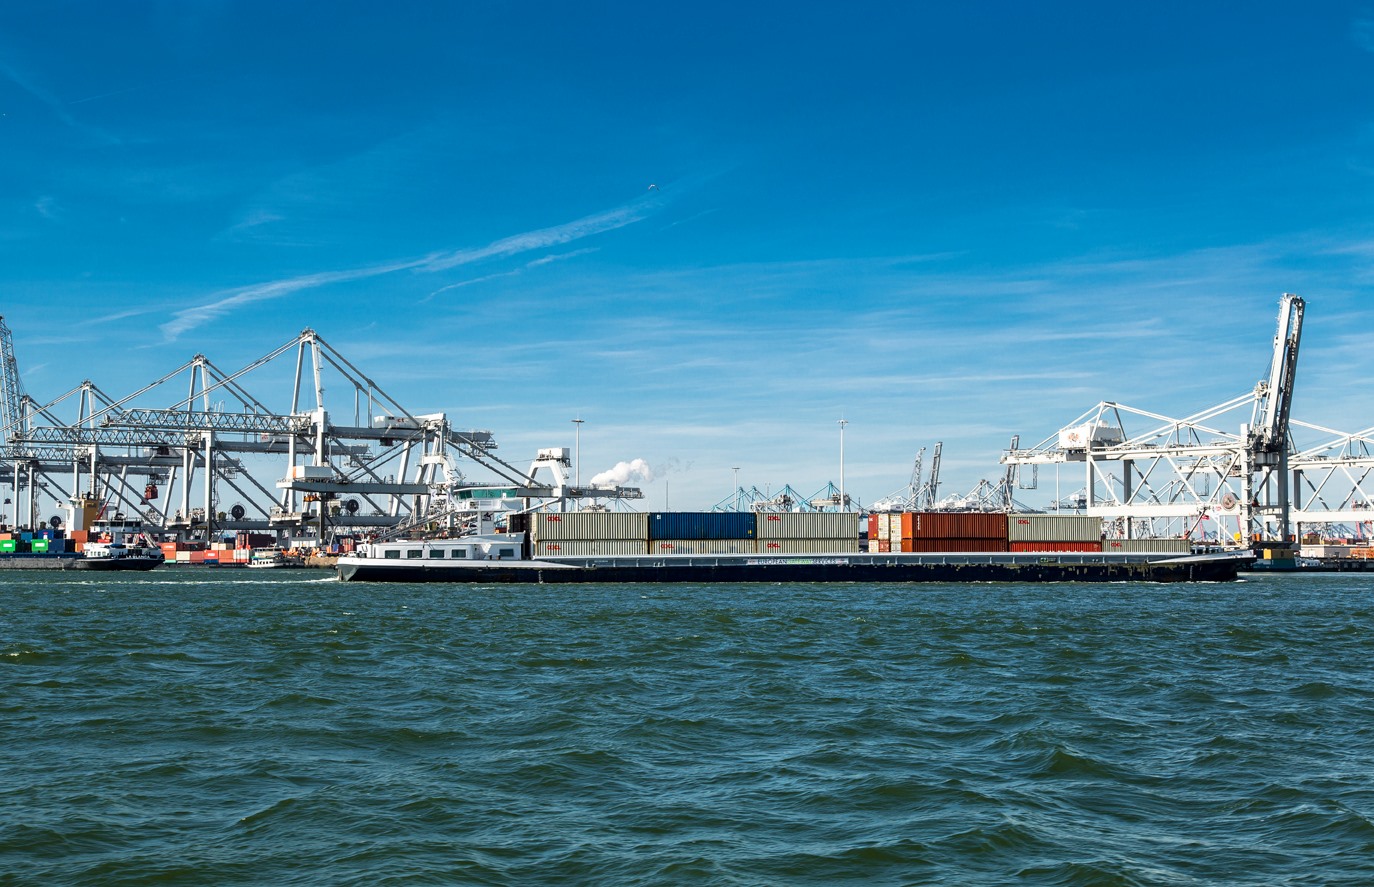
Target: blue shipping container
{"x": 702, "y": 525}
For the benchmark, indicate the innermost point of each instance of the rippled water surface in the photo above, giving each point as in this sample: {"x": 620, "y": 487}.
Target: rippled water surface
{"x": 193, "y": 727}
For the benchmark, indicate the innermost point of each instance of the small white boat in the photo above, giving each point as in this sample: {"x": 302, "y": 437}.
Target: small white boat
{"x": 266, "y": 558}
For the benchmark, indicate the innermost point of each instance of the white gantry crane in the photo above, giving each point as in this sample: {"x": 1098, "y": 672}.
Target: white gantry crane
{"x": 1190, "y": 476}
{"x": 213, "y": 456}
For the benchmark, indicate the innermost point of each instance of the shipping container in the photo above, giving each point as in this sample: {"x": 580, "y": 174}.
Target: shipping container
{"x": 885, "y": 522}
{"x": 591, "y": 525}
{"x": 846, "y": 545}
{"x": 1054, "y": 528}
{"x": 39, "y": 545}
{"x": 809, "y": 525}
{"x": 701, "y": 525}
{"x": 872, "y": 529}
{"x": 79, "y": 535}
{"x": 702, "y": 546}
{"x": 518, "y": 523}
{"x": 590, "y": 547}
{"x": 884, "y": 546}
{"x": 960, "y": 546}
{"x": 1057, "y": 546}
{"x": 1157, "y": 546}
{"x": 9, "y": 546}
{"x": 183, "y": 557}
{"x": 952, "y": 525}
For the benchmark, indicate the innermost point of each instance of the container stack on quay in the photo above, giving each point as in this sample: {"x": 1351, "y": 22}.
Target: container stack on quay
{"x": 42, "y": 542}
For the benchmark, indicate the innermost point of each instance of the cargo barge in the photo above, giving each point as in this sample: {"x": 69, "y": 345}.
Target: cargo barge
{"x": 498, "y": 560}
{"x": 793, "y": 547}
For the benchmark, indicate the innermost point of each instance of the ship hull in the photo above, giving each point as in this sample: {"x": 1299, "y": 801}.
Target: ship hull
{"x": 75, "y": 562}
{"x": 818, "y": 568}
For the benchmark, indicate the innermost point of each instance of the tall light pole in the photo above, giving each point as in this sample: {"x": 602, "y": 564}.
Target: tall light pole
{"x": 844, "y": 503}
{"x": 577, "y": 450}
{"x": 736, "y": 471}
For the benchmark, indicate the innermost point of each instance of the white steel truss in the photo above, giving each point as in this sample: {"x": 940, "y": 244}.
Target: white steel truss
{"x": 1149, "y": 474}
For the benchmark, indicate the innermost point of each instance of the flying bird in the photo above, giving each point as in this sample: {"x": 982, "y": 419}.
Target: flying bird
{"x": 653, "y": 187}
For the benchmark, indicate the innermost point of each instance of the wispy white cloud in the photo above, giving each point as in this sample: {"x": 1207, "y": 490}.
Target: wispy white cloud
{"x": 54, "y": 105}
{"x": 542, "y": 238}
{"x": 1362, "y": 32}
{"x": 225, "y": 302}
{"x": 464, "y": 283}
{"x": 47, "y": 207}
{"x": 558, "y": 257}
{"x": 190, "y": 318}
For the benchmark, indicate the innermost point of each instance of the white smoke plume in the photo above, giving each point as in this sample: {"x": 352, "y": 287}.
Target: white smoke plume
{"x": 624, "y": 472}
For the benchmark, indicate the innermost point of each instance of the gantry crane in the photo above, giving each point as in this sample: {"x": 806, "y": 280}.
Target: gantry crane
{"x": 1181, "y": 472}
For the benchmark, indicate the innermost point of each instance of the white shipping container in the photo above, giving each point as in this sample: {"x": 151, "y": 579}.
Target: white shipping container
{"x": 702, "y": 546}
{"x": 808, "y": 546}
{"x": 1148, "y": 546}
{"x": 589, "y": 547}
{"x": 1080, "y": 437}
{"x": 884, "y": 528}
{"x": 1053, "y": 528}
{"x": 590, "y": 525}
{"x": 310, "y": 472}
{"x": 1324, "y": 551}
{"x": 809, "y": 525}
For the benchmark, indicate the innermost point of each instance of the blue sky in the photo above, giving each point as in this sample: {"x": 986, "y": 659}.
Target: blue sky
{"x": 950, "y": 222}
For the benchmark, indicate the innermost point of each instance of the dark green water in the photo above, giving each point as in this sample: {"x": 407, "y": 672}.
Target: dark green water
{"x": 188, "y": 727}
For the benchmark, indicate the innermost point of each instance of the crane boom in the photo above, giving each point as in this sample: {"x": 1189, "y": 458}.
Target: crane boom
{"x": 11, "y": 392}
{"x": 1276, "y": 395}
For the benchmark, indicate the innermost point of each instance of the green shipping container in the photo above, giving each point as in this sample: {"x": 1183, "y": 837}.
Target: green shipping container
{"x": 7, "y": 545}
{"x": 40, "y": 545}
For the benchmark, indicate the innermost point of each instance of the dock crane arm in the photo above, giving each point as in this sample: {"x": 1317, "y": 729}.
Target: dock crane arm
{"x": 1276, "y": 394}
{"x": 11, "y": 391}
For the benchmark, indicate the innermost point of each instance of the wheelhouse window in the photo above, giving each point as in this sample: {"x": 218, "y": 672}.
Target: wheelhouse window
{"x": 460, "y": 553}
{"x": 413, "y": 553}
{"x": 506, "y": 552}
{"x": 392, "y": 554}
{"x": 436, "y": 554}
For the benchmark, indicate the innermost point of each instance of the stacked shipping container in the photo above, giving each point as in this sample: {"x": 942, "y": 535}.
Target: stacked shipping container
{"x": 1054, "y": 532}
{"x": 632, "y": 533}
{"x": 957, "y": 531}
{"x": 813, "y": 532}
{"x": 701, "y": 532}
{"x": 590, "y": 533}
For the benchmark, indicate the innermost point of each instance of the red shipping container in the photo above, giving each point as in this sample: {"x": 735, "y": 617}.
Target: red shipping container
{"x": 1057, "y": 546}
{"x": 960, "y": 546}
{"x": 953, "y": 525}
